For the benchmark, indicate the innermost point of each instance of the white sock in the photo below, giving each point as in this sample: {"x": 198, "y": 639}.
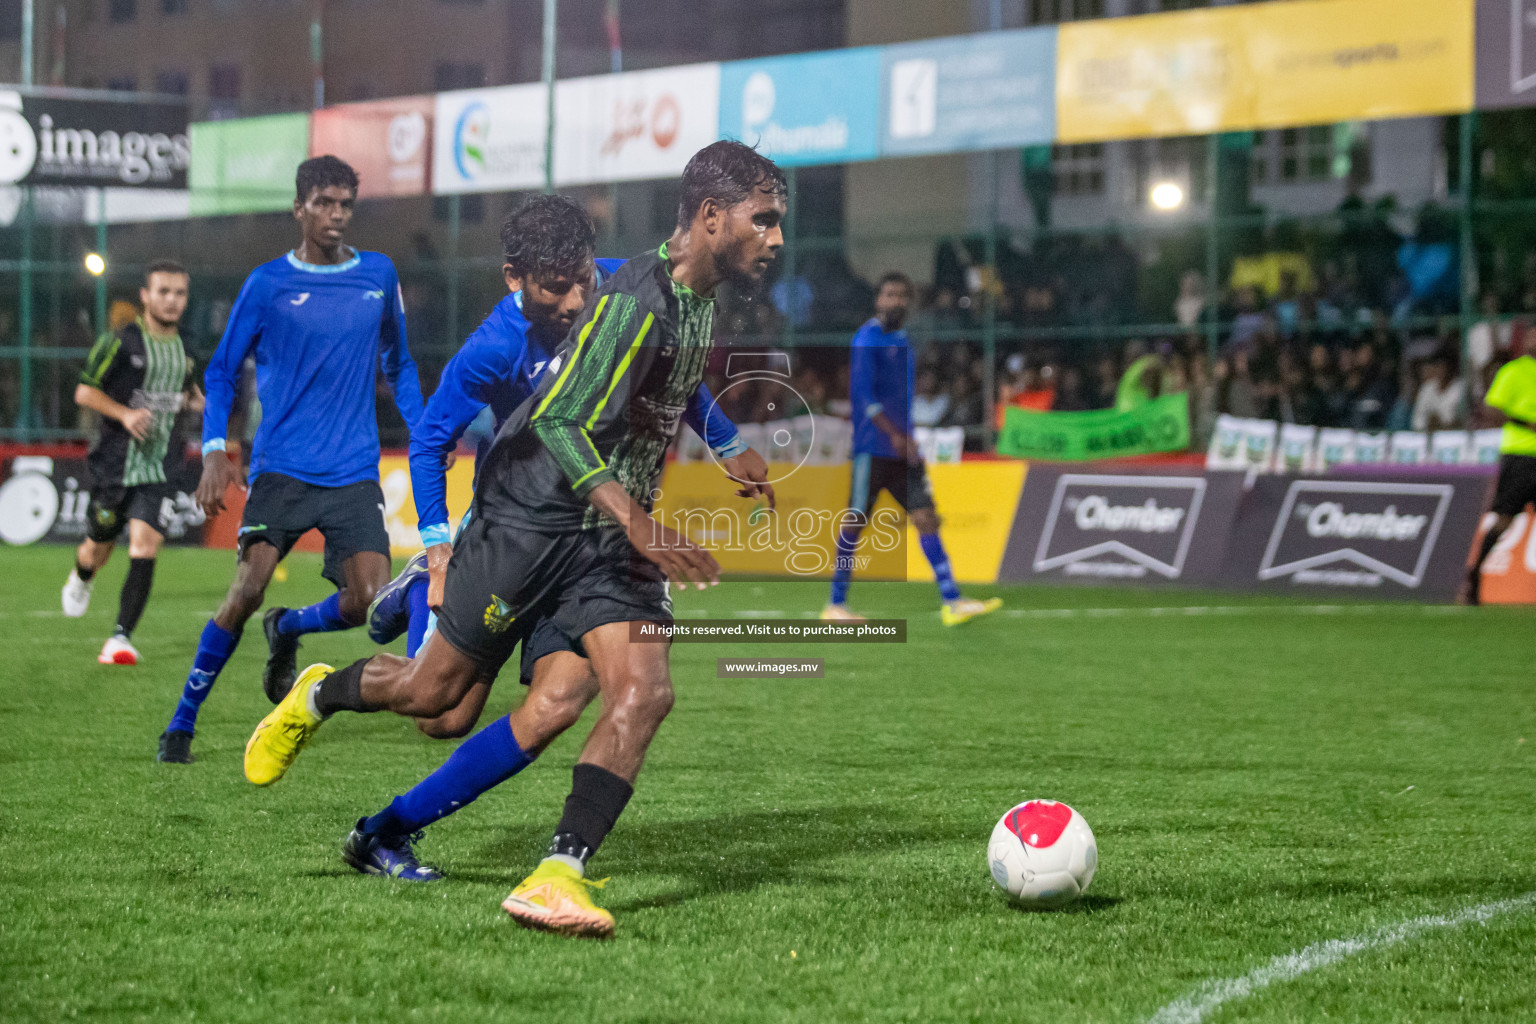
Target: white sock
{"x": 309, "y": 701}
{"x": 571, "y": 862}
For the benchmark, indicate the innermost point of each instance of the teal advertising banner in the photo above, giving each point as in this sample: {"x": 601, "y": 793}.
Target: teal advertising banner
{"x": 806, "y": 108}
{"x": 992, "y": 91}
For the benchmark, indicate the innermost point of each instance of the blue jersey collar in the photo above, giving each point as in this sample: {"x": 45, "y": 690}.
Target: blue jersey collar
{"x": 314, "y": 268}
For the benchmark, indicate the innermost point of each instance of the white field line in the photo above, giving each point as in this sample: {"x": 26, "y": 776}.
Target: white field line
{"x": 1231, "y": 610}
{"x": 1153, "y": 612}
{"x": 1211, "y": 996}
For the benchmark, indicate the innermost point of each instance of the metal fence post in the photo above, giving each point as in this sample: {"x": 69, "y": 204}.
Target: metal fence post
{"x": 24, "y": 318}
{"x": 1212, "y": 251}
{"x": 101, "y": 249}
{"x": 455, "y": 225}
{"x": 1469, "y": 276}
{"x": 791, "y": 269}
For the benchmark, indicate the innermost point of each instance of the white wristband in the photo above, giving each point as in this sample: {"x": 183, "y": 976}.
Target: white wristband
{"x": 732, "y": 448}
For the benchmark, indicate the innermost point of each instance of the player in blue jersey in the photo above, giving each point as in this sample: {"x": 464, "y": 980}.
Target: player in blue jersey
{"x": 319, "y": 321}
{"x": 549, "y": 271}
{"x": 885, "y": 455}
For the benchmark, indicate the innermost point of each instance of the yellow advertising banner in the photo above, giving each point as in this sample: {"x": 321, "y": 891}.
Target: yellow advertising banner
{"x": 400, "y": 503}
{"x": 977, "y": 501}
{"x": 1262, "y": 66}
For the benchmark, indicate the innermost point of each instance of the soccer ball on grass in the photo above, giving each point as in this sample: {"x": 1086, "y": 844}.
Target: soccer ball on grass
{"x": 1043, "y": 854}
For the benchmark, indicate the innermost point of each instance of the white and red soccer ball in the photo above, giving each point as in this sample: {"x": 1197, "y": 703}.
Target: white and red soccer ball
{"x": 1042, "y": 853}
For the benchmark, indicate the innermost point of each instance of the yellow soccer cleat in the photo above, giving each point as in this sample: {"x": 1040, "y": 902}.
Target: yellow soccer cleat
{"x": 840, "y": 613}
{"x": 967, "y": 608}
{"x": 554, "y": 899}
{"x": 279, "y": 737}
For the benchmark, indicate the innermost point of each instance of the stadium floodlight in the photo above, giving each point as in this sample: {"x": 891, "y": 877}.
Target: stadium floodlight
{"x": 1167, "y": 196}
{"x": 95, "y": 263}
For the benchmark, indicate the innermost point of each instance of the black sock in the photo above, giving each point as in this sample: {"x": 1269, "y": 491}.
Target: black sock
{"x": 84, "y": 573}
{"x": 1489, "y": 540}
{"x": 135, "y": 595}
{"x": 597, "y": 799}
{"x": 342, "y": 691}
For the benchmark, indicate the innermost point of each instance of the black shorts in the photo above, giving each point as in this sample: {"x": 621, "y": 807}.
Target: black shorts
{"x": 505, "y": 582}
{"x": 1517, "y": 484}
{"x": 279, "y": 510}
{"x": 544, "y": 637}
{"x": 908, "y": 484}
{"x": 112, "y": 506}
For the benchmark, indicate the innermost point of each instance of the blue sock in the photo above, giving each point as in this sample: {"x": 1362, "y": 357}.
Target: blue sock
{"x": 324, "y": 617}
{"x": 482, "y": 762}
{"x": 842, "y": 569}
{"x": 934, "y": 549}
{"x": 213, "y": 650}
{"x": 416, "y": 632}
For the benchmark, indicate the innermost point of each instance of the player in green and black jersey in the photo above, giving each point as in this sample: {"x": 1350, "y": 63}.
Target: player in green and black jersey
{"x": 136, "y": 379}
{"x": 562, "y": 533}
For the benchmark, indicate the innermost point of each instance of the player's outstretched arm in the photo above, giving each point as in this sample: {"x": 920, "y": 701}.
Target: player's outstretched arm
{"x": 462, "y": 391}
{"x": 395, "y": 357}
{"x": 677, "y": 556}
{"x": 745, "y": 466}
{"x": 221, "y": 382}
{"x": 135, "y": 421}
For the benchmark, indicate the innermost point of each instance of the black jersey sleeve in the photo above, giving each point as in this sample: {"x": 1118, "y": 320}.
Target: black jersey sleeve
{"x": 591, "y": 394}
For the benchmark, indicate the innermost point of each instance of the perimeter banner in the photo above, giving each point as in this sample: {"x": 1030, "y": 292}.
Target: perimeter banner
{"x": 1161, "y": 425}
{"x": 388, "y": 143}
{"x": 1377, "y": 536}
{"x": 247, "y": 166}
{"x": 635, "y": 125}
{"x": 49, "y": 141}
{"x": 1121, "y": 526}
{"x": 1261, "y": 66}
{"x": 44, "y": 499}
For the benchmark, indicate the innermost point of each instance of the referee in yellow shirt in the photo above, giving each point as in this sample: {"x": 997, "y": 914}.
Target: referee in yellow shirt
{"x": 1513, "y": 393}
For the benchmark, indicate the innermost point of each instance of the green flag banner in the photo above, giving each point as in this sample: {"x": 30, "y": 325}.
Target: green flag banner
{"x": 1158, "y": 425}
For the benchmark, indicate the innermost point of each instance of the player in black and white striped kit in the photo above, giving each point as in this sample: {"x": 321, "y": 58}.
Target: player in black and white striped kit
{"x": 136, "y": 378}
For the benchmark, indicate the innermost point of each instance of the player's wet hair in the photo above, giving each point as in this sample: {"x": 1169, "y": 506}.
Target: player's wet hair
{"x": 548, "y": 236}
{"x": 727, "y": 171}
{"x": 895, "y": 277}
{"x": 323, "y": 172}
{"x": 163, "y": 266}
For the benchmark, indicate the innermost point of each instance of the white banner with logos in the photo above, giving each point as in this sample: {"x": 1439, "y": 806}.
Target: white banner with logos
{"x": 488, "y": 140}
{"x": 637, "y": 125}
{"x": 1265, "y": 446}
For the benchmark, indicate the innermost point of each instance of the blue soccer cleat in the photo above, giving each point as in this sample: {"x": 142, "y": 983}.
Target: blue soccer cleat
{"x": 391, "y": 856}
{"x": 390, "y": 614}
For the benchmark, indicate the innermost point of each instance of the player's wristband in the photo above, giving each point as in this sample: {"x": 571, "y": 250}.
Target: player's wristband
{"x": 435, "y": 533}
{"x": 216, "y": 445}
{"x": 874, "y": 409}
{"x": 732, "y": 448}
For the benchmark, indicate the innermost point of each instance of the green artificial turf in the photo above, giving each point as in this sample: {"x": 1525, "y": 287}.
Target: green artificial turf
{"x": 1260, "y": 778}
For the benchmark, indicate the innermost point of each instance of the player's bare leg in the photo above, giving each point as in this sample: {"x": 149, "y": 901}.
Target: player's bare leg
{"x": 362, "y": 575}
{"x": 636, "y": 687}
{"x": 562, "y": 686}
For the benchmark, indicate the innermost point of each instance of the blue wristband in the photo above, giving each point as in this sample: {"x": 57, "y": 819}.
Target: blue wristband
{"x": 216, "y": 445}
{"x": 435, "y": 533}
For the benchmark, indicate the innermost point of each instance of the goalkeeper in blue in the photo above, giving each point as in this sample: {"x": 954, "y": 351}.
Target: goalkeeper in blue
{"x": 550, "y": 273}
{"x": 319, "y": 320}
{"x": 885, "y": 455}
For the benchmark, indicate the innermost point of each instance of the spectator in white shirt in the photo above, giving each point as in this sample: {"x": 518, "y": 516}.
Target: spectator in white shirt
{"x": 1439, "y": 401}
{"x": 929, "y": 404}
{"x": 1488, "y": 338}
